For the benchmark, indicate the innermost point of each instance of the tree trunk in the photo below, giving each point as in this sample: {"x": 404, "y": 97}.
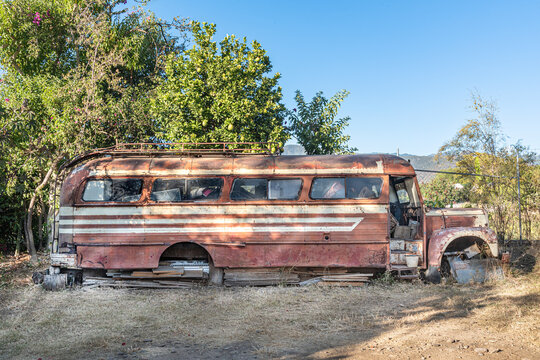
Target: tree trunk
{"x": 40, "y": 225}
{"x": 51, "y": 214}
{"x": 29, "y": 235}
{"x": 25, "y": 226}
{"x": 19, "y": 240}
{"x": 30, "y": 213}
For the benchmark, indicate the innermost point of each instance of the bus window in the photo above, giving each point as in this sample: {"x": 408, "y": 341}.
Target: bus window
{"x": 263, "y": 189}
{"x": 328, "y": 188}
{"x": 284, "y": 189}
{"x": 249, "y": 189}
{"x": 168, "y": 190}
{"x": 363, "y": 188}
{"x": 175, "y": 190}
{"x": 118, "y": 190}
{"x": 204, "y": 189}
{"x": 402, "y": 194}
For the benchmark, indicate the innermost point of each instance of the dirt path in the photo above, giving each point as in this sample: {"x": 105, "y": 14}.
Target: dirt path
{"x": 405, "y": 321}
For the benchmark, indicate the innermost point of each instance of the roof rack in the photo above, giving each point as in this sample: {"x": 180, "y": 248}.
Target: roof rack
{"x": 195, "y": 149}
{"x": 198, "y": 148}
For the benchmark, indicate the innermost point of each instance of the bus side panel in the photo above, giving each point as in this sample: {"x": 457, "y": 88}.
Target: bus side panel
{"x": 329, "y": 235}
{"x": 340, "y": 240}
{"x": 296, "y": 255}
{"x": 252, "y": 255}
{"x": 106, "y": 256}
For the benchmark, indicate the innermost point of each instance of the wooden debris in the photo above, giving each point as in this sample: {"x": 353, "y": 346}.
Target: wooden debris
{"x": 166, "y": 276}
{"x": 248, "y": 277}
{"x": 166, "y": 269}
{"x": 160, "y": 284}
{"x": 341, "y": 283}
{"x": 347, "y": 279}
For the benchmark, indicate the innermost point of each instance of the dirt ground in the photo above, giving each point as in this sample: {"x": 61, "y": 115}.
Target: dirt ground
{"x": 384, "y": 320}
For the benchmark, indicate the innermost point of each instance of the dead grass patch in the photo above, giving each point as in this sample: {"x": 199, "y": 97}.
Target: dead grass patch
{"x": 382, "y": 320}
{"x": 16, "y": 271}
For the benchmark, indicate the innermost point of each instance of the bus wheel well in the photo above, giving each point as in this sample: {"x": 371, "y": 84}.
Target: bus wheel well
{"x": 185, "y": 251}
{"x": 192, "y": 251}
{"x": 461, "y": 243}
{"x": 439, "y": 248}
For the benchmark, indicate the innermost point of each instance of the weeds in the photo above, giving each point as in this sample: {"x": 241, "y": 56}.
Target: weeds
{"x": 386, "y": 278}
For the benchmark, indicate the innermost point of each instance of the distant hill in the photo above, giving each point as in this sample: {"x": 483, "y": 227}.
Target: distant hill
{"x": 427, "y": 162}
{"x": 424, "y": 162}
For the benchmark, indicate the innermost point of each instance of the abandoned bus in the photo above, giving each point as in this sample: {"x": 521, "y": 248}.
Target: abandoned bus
{"x": 201, "y": 214}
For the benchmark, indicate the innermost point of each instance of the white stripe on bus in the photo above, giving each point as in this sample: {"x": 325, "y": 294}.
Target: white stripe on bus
{"x": 222, "y": 210}
{"x": 210, "y": 221}
{"x": 224, "y": 229}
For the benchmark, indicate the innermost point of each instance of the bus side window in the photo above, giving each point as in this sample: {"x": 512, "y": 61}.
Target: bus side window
{"x": 168, "y": 190}
{"x": 249, "y": 189}
{"x": 204, "y": 189}
{"x": 176, "y": 190}
{"x": 363, "y": 188}
{"x": 118, "y": 190}
{"x": 284, "y": 189}
{"x": 328, "y": 188}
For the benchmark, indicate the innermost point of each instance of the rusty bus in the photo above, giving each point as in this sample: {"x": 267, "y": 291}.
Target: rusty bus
{"x": 129, "y": 212}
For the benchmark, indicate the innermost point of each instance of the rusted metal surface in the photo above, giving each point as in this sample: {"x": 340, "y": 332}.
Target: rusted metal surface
{"x": 313, "y": 233}
{"x": 246, "y": 234}
{"x": 260, "y": 165}
{"x": 280, "y": 245}
{"x": 437, "y": 219}
{"x": 178, "y": 149}
{"x": 441, "y": 240}
{"x": 123, "y": 257}
{"x": 475, "y": 270}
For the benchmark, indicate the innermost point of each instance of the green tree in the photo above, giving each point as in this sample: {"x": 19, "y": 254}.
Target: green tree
{"x": 61, "y": 99}
{"x": 219, "y": 92}
{"x": 445, "y": 190}
{"x": 34, "y": 35}
{"x": 315, "y": 126}
{"x": 479, "y": 148}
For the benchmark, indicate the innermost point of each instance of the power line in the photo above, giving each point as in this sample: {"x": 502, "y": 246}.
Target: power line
{"x": 468, "y": 174}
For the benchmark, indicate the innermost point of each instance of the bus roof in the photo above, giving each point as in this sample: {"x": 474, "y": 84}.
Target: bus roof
{"x": 248, "y": 165}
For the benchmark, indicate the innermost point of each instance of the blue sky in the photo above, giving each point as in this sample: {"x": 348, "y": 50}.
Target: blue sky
{"x": 410, "y": 66}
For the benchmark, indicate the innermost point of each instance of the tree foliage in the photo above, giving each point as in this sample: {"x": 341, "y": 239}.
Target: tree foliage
{"x": 315, "y": 126}
{"x": 78, "y": 75}
{"x": 34, "y": 36}
{"x": 480, "y": 148}
{"x": 445, "y": 191}
{"x": 481, "y": 135}
{"x": 219, "y": 92}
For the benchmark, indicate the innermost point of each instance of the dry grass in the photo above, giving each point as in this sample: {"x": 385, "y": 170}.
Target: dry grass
{"x": 403, "y": 320}
{"x": 17, "y": 271}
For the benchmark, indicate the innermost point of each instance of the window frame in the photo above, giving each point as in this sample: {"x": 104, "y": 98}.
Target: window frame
{"x": 345, "y": 177}
{"x": 268, "y": 179}
{"x": 81, "y": 195}
{"x": 297, "y": 195}
{"x": 328, "y": 177}
{"x": 153, "y": 184}
{"x": 364, "y": 177}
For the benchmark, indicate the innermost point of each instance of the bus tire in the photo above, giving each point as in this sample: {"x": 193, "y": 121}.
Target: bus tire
{"x": 215, "y": 276}
{"x": 433, "y": 275}
{"x": 54, "y": 282}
